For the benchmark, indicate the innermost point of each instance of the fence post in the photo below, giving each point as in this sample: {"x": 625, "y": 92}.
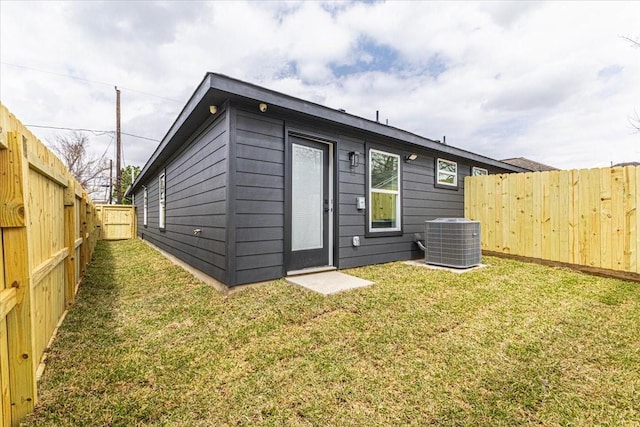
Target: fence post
{"x": 91, "y": 224}
{"x": 83, "y": 233}
{"x": 14, "y": 169}
{"x": 70, "y": 240}
{"x": 134, "y": 222}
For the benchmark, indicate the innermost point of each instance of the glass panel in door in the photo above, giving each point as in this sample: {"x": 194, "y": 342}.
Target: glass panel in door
{"x": 307, "y": 198}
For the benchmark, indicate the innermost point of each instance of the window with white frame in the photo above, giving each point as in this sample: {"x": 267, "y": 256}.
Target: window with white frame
{"x": 145, "y": 206}
{"x": 384, "y": 191}
{"x": 446, "y": 172}
{"x": 478, "y": 171}
{"x": 162, "y": 201}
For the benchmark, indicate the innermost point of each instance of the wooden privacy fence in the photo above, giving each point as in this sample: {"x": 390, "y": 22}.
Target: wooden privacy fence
{"x": 117, "y": 222}
{"x": 584, "y": 217}
{"x": 48, "y": 228}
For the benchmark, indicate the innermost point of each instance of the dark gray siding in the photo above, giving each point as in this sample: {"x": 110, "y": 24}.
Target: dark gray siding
{"x": 421, "y": 201}
{"x": 351, "y": 184}
{"x": 259, "y": 205}
{"x": 196, "y": 182}
{"x": 242, "y": 240}
{"x": 152, "y": 208}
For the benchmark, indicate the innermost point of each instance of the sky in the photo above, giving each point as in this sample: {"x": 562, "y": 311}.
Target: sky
{"x": 556, "y": 82}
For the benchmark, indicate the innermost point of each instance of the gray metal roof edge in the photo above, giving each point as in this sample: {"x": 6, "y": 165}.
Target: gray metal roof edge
{"x": 195, "y": 98}
{"x": 247, "y": 90}
{"x": 268, "y": 96}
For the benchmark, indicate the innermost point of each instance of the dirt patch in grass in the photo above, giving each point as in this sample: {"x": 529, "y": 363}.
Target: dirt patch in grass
{"x": 512, "y": 344}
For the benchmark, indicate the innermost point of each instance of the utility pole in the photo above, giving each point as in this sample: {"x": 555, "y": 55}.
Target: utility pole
{"x": 118, "y": 150}
{"x": 110, "y": 181}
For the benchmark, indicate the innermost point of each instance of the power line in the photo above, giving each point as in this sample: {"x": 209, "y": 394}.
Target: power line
{"x": 69, "y": 76}
{"x": 93, "y": 131}
{"x": 141, "y": 137}
{"x": 106, "y": 149}
{"x": 118, "y": 149}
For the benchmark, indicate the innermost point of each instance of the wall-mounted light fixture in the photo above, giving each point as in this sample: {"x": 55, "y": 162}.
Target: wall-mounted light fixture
{"x": 262, "y": 107}
{"x": 213, "y": 109}
{"x": 411, "y": 157}
{"x": 354, "y": 159}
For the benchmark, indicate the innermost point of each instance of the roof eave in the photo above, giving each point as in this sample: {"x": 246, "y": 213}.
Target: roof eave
{"x": 187, "y": 110}
{"x": 260, "y": 94}
{"x": 238, "y": 88}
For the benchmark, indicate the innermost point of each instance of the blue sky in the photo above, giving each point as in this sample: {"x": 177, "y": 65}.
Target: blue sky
{"x": 552, "y": 81}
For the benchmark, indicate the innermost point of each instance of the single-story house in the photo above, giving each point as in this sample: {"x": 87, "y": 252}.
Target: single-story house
{"x": 249, "y": 185}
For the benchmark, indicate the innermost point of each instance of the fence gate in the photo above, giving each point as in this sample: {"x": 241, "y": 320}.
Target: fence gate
{"x": 117, "y": 221}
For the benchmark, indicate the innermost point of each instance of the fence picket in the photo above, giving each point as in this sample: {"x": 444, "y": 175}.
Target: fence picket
{"x": 38, "y": 246}
{"x": 564, "y": 216}
{"x": 585, "y": 217}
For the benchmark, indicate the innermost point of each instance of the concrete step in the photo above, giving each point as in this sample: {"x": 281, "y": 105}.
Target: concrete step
{"x": 310, "y": 270}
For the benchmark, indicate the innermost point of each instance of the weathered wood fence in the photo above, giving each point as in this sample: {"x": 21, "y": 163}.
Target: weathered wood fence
{"x": 117, "y": 222}
{"x": 48, "y": 233}
{"x": 584, "y": 217}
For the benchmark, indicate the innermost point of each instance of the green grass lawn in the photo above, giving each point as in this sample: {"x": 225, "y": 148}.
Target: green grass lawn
{"x": 512, "y": 344}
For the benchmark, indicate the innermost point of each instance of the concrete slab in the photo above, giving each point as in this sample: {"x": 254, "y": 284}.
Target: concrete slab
{"x": 329, "y": 282}
{"x": 420, "y": 263}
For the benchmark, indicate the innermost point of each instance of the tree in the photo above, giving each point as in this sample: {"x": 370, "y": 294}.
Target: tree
{"x": 88, "y": 171}
{"x": 127, "y": 175}
{"x": 634, "y": 120}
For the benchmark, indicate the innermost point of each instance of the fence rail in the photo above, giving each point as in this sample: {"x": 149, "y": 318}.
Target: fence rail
{"x": 48, "y": 233}
{"x": 584, "y": 217}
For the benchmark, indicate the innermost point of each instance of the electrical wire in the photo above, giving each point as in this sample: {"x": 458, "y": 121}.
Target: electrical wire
{"x": 138, "y": 136}
{"x": 93, "y": 131}
{"x": 106, "y": 149}
{"x": 111, "y": 138}
{"x": 124, "y": 164}
{"x": 87, "y": 80}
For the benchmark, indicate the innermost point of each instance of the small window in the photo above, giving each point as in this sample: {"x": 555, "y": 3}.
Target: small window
{"x": 446, "y": 173}
{"x": 384, "y": 191}
{"x": 162, "y": 201}
{"x": 478, "y": 171}
{"x": 145, "y": 206}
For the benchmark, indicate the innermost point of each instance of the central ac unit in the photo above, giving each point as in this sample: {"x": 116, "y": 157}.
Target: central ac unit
{"x": 452, "y": 242}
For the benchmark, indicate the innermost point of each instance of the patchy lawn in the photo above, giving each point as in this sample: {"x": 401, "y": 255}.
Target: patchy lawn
{"x": 513, "y": 344}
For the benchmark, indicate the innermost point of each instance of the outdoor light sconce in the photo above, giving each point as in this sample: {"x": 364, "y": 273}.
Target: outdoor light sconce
{"x": 354, "y": 159}
{"x": 213, "y": 109}
{"x": 262, "y": 107}
{"x": 410, "y": 158}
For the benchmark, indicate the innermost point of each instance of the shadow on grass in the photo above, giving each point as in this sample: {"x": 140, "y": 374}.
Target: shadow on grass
{"x": 77, "y": 357}
{"x": 107, "y": 364}
{"x": 93, "y": 316}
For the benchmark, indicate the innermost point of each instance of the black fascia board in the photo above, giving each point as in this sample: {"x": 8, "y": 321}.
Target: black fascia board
{"x": 187, "y": 111}
{"x": 217, "y": 88}
{"x": 270, "y": 97}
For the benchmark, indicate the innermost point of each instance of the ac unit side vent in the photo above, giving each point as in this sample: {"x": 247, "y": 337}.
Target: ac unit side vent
{"x": 453, "y": 242}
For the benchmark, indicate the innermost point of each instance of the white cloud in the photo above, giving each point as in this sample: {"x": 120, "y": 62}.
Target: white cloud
{"x": 552, "y": 81}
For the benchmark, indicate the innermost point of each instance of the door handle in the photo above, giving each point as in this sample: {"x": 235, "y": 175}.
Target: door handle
{"x": 326, "y": 210}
